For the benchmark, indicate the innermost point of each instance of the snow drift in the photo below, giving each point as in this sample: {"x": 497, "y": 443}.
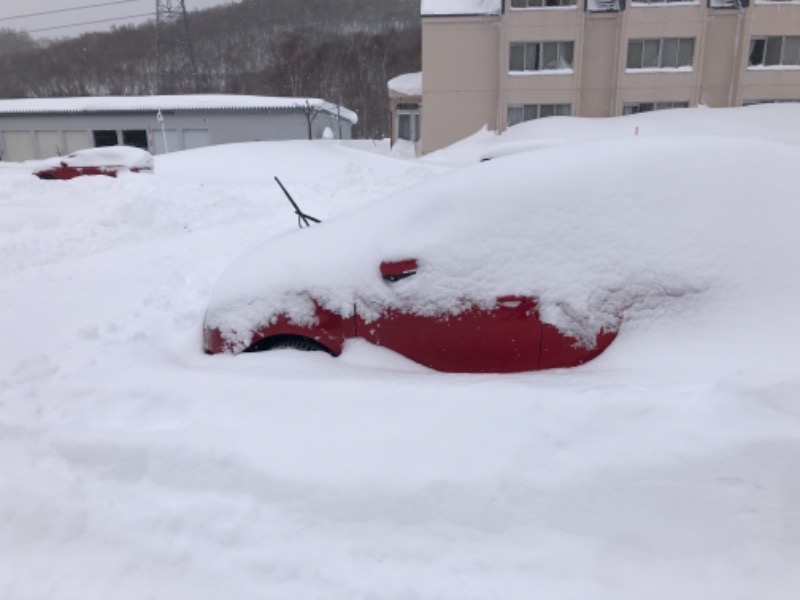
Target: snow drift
{"x": 134, "y": 466}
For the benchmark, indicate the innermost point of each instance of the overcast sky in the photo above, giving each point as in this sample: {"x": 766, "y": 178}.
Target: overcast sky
{"x": 85, "y": 11}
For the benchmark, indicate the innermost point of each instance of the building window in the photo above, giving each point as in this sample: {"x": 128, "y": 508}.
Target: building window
{"x": 541, "y": 56}
{"x": 635, "y": 2}
{"x": 775, "y": 51}
{"x": 517, "y": 113}
{"x": 542, "y": 3}
{"x": 605, "y": 5}
{"x": 105, "y": 137}
{"x": 633, "y": 108}
{"x": 136, "y": 138}
{"x": 728, "y": 3}
{"x": 408, "y": 122}
{"x": 664, "y": 53}
{"x": 754, "y": 102}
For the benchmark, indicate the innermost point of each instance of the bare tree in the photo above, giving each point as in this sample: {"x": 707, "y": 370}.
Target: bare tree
{"x": 13, "y": 42}
{"x": 341, "y": 51}
{"x": 310, "y": 112}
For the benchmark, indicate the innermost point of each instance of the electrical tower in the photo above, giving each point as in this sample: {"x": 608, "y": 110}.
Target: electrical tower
{"x": 176, "y": 64}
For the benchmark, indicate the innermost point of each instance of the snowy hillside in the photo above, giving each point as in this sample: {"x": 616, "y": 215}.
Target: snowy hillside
{"x": 134, "y": 466}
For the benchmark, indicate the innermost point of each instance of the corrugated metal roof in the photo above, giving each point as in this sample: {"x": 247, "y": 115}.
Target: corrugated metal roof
{"x": 190, "y": 102}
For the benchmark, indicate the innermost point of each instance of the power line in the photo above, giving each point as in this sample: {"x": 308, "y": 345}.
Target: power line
{"x": 62, "y": 10}
{"x": 149, "y": 14}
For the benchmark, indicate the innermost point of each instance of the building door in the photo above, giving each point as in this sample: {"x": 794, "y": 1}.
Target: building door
{"x": 135, "y": 137}
{"x": 18, "y": 146}
{"x": 49, "y": 143}
{"x": 165, "y": 141}
{"x": 196, "y": 138}
{"x": 76, "y": 140}
{"x": 408, "y": 122}
{"x": 105, "y": 137}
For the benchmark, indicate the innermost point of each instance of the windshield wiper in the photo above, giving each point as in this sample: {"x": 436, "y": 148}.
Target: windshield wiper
{"x": 302, "y": 218}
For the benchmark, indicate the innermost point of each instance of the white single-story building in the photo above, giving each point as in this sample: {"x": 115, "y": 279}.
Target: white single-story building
{"x": 33, "y": 128}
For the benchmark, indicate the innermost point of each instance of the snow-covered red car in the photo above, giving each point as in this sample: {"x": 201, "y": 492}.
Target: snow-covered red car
{"x": 528, "y": 262}
{"x": 109, "y": 161}
{"x": 492, "y": 268}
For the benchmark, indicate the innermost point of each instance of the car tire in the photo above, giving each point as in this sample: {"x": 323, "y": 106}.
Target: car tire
{"x": 295, "y": 342}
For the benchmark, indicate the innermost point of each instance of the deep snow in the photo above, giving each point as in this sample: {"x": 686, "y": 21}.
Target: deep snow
{"x": 134, "y": 466}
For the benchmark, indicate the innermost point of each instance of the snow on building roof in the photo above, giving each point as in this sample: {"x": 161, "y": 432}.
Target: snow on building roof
{"x": 461, "y": 7}
{"x": 187, "y": 102}
{"x": 409, "y": 84}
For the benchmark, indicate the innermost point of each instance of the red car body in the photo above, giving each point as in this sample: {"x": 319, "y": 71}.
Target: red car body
{"x": 65, "y": 171}
{"x": 504, "y": 338}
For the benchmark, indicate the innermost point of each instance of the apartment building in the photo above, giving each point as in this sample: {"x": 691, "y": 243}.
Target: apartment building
{"x": 499, "y": 62}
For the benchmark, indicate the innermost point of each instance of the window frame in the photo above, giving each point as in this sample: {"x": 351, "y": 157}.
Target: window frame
{"x": 542, "y": 4}
{"x": 656, "y": 104}
{"x": 136, "y": 138}
{"x": 560, "y": 109}
{"x": 767, "y": 44}
{"x": 604, "y": 6}
{"x": 412, "y": 112}
{"x": 664, "y": 2}
{"x": 728, "y": 4}
{"x": 101, "y": 138}
{"x": 646, "y": 54}
{"x": 773, "y": 101}
{"x": 536, "y": 52}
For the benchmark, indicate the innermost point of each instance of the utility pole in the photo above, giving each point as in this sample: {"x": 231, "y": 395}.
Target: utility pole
{"x": 174, "y": 48}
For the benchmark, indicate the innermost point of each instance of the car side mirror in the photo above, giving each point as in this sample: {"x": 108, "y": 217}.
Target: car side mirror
{"x": 396, "y": 270}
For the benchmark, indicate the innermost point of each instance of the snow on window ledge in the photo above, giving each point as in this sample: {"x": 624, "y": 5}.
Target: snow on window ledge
{"x": 774, "y": 67}
{"x": 602, "y": 6}
{"x": 542, "y": 72}
{"x": 663, "y": 4}
{"x": 535, "y": 8}
{"x": 661, "y": 70}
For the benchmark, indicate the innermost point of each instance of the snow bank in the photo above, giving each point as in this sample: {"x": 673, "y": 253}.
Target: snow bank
{"x": 134, "y": 466}
{"x": 762, "y": 122}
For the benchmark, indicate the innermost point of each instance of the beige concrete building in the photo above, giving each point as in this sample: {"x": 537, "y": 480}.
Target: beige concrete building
{"x": 499, "y": 62}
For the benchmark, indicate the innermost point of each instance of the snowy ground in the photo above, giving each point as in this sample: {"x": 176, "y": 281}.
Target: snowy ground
{"x": 133, "y": 466}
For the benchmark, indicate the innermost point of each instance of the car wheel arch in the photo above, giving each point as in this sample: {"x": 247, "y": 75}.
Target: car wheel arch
{"x": 293, "y": 341}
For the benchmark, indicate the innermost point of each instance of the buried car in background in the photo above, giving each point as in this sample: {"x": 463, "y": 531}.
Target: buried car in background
{"x": 108, "y": 161}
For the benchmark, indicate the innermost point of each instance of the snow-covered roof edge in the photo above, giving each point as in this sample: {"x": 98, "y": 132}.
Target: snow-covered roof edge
{"x": 189, "y": 102}
{"x": 460, "y": 7}
{"x": 408, "y": 84}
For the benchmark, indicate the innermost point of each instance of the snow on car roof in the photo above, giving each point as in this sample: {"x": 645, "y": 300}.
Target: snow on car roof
{"x": 596, "y": 231}
{"x": 126, "y": 156}
{"x": 166, "y": 102}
